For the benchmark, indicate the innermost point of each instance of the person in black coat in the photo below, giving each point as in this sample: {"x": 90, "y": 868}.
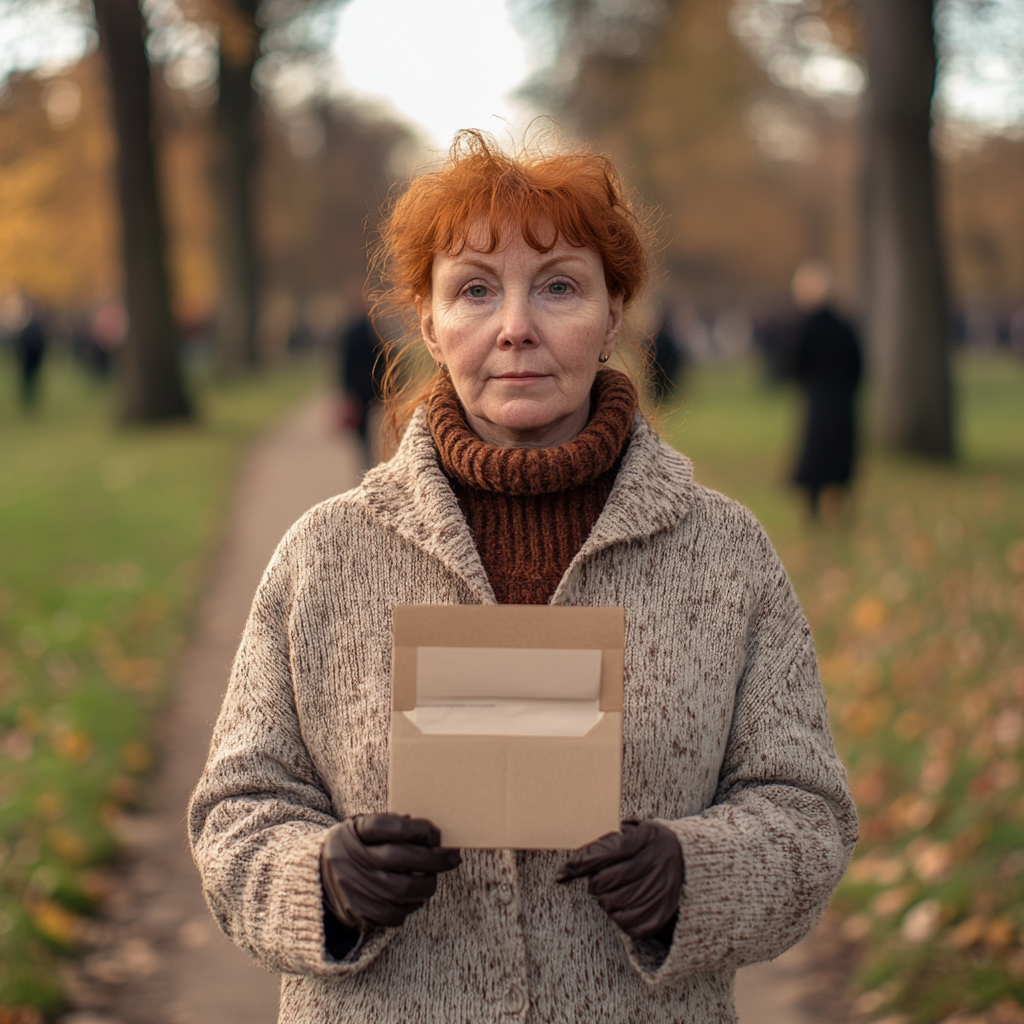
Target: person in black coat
{"x": 29, "y": 344}
{"x": 360, "y": 377}
{"x": 666, "y": 361}
{"x": 828, "y": 368}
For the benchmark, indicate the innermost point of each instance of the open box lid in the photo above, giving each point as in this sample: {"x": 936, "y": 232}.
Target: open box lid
{"x": 522, "y": 627}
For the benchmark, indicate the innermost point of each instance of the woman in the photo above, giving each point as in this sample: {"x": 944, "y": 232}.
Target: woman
{"x": 525, "y": 475}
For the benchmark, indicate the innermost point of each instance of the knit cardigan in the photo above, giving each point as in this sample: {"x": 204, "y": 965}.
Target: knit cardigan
{"x": 725, "y": 740}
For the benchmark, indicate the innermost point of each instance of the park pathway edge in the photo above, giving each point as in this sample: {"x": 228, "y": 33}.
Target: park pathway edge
{"x": 157, "y": 957}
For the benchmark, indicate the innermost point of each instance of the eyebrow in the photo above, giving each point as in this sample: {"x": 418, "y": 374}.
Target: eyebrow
{"x": 546, "y": 265}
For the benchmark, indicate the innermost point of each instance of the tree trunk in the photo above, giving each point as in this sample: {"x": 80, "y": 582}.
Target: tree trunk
{"x": 905, "y": 283}
{"x": 148, "y": 364}
{"x": 237, "y": 110}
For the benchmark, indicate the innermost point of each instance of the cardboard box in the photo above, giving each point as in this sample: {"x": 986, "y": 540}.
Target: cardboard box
{"x": 506, "y": 723}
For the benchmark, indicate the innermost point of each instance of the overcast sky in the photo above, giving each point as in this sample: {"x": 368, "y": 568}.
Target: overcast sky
{"x": 444, "y": 64}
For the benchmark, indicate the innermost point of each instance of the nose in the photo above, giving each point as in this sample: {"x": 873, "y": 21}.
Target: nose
{"x": 517, "y": 328}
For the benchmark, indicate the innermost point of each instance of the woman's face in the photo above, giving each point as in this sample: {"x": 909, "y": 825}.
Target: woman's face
{"x": 521, "y": 332}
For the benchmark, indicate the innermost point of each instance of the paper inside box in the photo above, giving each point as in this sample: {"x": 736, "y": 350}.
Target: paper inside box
{"x": 507, "y": 718}
{"x": 506, "y": 691}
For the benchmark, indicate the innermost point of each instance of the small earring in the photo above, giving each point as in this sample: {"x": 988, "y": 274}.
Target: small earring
{"x": 443, "y": 367}
{"x": 604, "y": 357}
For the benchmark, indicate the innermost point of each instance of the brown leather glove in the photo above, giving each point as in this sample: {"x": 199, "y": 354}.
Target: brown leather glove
{"x": 636, "y": 875}
{"x": 377, "y": 869}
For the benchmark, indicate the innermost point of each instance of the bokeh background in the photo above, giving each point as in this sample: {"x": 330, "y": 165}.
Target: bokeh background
{"x": 187, "y": 188}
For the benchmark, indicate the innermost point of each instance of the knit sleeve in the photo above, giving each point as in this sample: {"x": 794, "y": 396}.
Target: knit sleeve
{"x": 259, "y": 815}
{"x": 763, "y": 859}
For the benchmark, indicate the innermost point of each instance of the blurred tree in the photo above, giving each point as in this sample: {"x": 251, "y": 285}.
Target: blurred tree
{"x": 984, "y": 218}
{"x": 59, "y": 240}
{"x": 151, "y": 379}
{"x": 751, "y": 180}
{"x": 323, "y": 167}
{"x": 293, "y": 30}
{"x": 906, "y": 300}
{"x": 237, "y": 130}
{"x": 318, "y": 206}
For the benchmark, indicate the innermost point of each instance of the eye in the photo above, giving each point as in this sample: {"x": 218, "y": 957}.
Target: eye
{"x": 477, "y": 291}
{"x": 559, "y": 288}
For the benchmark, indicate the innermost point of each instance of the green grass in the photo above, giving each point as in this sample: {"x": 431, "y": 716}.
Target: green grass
{"x": 103, "y": 538}
{"x": 917, "y": 605}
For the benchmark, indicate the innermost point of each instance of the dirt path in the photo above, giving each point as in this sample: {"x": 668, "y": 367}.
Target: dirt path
{"x": 156, "y": 957}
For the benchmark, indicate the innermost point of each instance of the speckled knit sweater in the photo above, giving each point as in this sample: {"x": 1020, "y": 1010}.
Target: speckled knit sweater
{"x": 530, "y": 509}
{"x": 725, "y": 740}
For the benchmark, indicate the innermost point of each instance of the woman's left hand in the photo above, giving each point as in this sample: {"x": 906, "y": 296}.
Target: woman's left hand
{"x": 636, "y": 875}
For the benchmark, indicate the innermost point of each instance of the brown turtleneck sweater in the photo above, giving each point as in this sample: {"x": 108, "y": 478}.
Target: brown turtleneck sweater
{"x": 531, "y": 509}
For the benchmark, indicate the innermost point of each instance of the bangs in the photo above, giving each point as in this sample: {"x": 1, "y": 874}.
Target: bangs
{"x": 576, "y": 198}
{"x": 542, "y": 216}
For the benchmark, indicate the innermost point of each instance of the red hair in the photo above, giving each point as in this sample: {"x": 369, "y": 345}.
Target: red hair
{"x": 576, "y": 197}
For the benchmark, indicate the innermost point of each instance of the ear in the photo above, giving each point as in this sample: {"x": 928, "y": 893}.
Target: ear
{"x": 425, "y": 312}
{"x": 615, "y": 313}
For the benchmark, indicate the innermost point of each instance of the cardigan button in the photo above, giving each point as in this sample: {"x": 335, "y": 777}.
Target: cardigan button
{"x": 503, "y": 893}
{"x": 515, "y": 1000}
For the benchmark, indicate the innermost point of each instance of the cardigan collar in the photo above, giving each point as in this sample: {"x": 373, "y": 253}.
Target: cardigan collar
{"x": 410, "y": 494}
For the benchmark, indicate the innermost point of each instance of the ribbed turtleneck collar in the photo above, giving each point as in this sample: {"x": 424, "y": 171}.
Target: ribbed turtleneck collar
{"x": 475, "y": 463}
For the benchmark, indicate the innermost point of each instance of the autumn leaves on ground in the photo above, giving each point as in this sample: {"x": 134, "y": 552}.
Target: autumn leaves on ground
{"x": 917, "y": 605}
{"x": 916, "y": 599}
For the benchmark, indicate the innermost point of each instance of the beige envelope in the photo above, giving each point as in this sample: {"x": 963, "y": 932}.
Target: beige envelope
{"x": 506, "y": 723}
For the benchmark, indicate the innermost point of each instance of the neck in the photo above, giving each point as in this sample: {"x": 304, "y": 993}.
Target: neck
{"x": 522, "y": 469}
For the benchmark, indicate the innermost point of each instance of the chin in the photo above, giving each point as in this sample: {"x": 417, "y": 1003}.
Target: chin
{"x": 526, "y": 415}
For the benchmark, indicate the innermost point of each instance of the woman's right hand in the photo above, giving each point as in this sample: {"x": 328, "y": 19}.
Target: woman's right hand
{"x": 376, "y": 869}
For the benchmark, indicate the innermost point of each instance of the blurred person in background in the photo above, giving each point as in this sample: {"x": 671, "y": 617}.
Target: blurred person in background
{"x": 28, "y": 343}
{"x": 828, "y": 368}
{"x": 107, "y": 334}
{"x": 92, "y": 350}
{"x": 1017, "y": 331}
{"x": 666, "y": 361}
{"x": 83, "y": 346}
{"x": 360, "y": 377}
{"x": 525, "y": 474}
